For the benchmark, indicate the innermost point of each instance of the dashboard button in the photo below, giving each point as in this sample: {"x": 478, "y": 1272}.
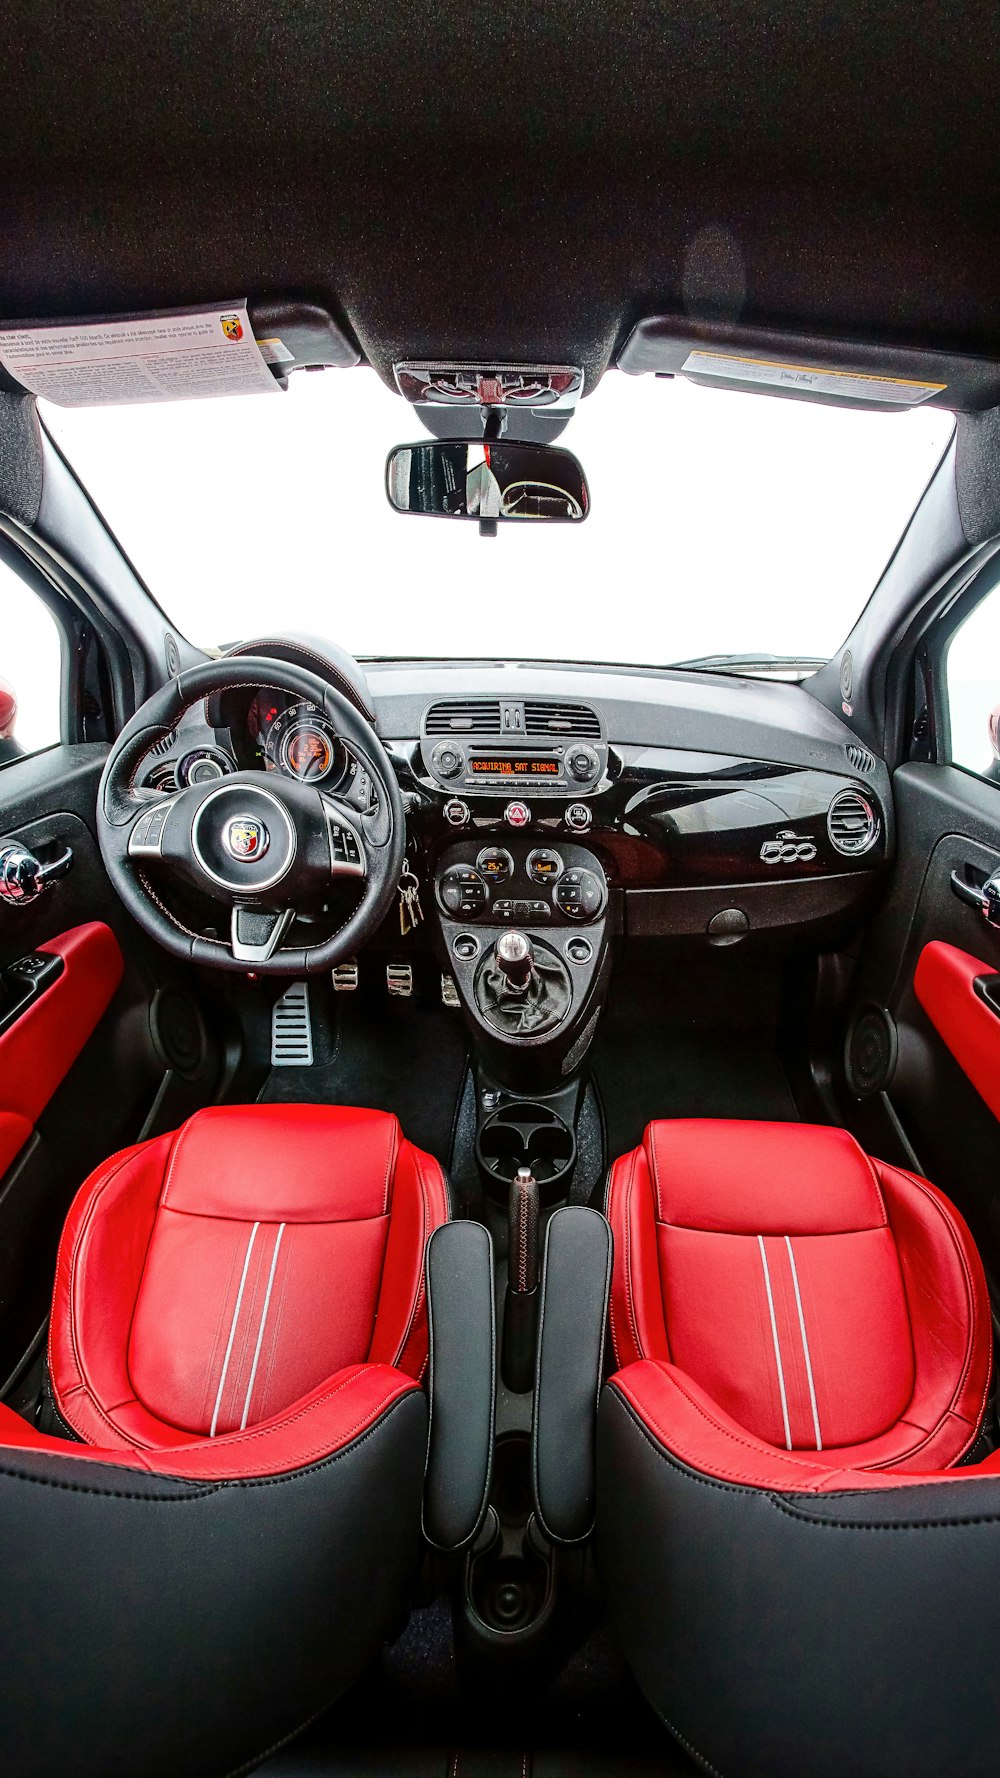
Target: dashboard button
{"x": 584, "y": 764}
{"x": 517, "y": 814}
{"x": 448, "y": 760}
{"x": 544, "y": 865}
{"x": 456, "y": 813}
{"x": 495, "y": 864}
{"x": 580, "y": 895}
{"x": 578, "y": 817}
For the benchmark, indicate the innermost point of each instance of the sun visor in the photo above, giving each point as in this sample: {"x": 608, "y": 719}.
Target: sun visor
{"x": 20, "y": 458}
{"x": 805, "y": 368}
{"x": 233, "y": 348}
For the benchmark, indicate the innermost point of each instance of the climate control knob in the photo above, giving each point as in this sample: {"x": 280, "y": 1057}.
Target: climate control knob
{"x": 578, "y": 817}
{"x": 579, "y": 895}
{"x": 583, "y": 763}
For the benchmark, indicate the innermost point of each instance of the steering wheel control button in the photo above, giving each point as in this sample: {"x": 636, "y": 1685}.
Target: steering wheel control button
{"x": 246, "y": 838}
{"x": 579, "y": 894}
{"x": 495, "y": 864}
{"x": 466, "y": 946}
{"x": 463, "y": 891}
{"x": 584, "y": 764}
{"x": 456, "y": 813}
{"x": 447, "y": 759}
{"x": 579, "y": 950}
{"x": 517, "y": 814}
{"x": 578, "y": 817}
{"x": 344, "y": 848}
{"x": 544, "y": 866}
{"x": 147, "y": 834}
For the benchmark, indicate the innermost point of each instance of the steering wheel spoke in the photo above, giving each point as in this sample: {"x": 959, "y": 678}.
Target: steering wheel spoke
{"x": 256, "y": 933}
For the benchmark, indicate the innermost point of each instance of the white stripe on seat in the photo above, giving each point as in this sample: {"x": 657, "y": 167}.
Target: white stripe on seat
{"x": 232, "y": 1330}
{"x": 263, "y": 1322}
{"x": 805, "y": 1345}
{"x": 777, "y": 1347}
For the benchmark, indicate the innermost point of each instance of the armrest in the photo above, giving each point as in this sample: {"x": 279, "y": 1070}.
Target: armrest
{"x": 462, "y": 1387}
{"x": 576, "y": 1278}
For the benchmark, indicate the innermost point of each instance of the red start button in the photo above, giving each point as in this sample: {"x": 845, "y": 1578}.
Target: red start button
{"x": 517, "y": 814}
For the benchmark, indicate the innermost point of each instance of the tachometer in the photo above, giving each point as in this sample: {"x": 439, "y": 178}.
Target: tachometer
{"x": 302, "y": 743}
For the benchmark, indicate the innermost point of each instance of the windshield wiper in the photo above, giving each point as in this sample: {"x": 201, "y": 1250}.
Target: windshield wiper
{"x": 794, "y": 665}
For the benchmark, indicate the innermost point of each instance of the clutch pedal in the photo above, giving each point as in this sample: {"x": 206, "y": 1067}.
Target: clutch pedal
{"x": 291, "y": 1029}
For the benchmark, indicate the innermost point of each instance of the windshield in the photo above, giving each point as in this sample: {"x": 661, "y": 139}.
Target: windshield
{"x": 721, "y": 523}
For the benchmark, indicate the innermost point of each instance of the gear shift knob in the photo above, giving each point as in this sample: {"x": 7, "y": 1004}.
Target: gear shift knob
{"x": 515, "y": 958}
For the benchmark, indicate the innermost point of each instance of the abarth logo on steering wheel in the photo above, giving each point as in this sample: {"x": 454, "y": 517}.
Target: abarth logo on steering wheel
{"x": 246, "y": 838}
{"x": 788, "y": 848}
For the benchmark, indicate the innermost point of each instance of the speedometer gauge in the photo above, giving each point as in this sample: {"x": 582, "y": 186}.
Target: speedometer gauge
{"x": 302, "y": 743}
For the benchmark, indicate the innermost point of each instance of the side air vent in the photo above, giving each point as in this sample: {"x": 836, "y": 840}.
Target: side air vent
{"x": 561, "y": 719}
{"x": 852, "y": 823}
{"x": 479, "y": 716}
{"x": 860, "y": 758}
{"x": 162, "y": 777}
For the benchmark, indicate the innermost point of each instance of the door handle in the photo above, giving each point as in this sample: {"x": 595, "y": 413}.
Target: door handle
{"x": 23, "y": 877}
{"x": 984, "y": 896}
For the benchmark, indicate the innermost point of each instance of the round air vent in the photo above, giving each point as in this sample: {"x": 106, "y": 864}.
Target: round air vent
{"x": 870, "y": 1052}
{"x": 852, "y": 823}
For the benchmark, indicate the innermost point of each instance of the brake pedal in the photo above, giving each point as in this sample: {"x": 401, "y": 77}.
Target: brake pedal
{"x": 291, "y": 1029}
{"x": 399, "y": 979}
{"x": 345, "y": 976}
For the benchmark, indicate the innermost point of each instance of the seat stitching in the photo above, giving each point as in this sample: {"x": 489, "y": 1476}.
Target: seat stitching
{"x": 425, "y": 1218}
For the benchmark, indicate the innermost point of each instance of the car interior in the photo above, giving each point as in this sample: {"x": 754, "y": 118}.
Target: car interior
{"x": 499, "y": 1021}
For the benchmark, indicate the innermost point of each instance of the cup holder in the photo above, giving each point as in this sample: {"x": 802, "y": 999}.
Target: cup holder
{"x": 524, "y": 1134}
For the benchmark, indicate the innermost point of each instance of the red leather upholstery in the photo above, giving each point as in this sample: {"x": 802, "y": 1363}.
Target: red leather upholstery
{"x": 944, "y": 983}
{"x": 39, "y": 1048}
{"x": 243, "y": 1296}
{"x": 783, "y": 1307}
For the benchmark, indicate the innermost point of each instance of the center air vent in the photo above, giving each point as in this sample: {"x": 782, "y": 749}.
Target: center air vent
{"x": 479, "y": 716}
{"x": 852, "y": 823}
{"x": 561, "y": 719}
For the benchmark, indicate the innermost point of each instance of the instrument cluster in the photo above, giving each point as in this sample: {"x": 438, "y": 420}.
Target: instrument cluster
{"x": 296, "y": 738}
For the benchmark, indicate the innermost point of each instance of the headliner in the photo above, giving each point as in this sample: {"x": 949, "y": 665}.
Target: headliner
{"x": 521, "y": 182}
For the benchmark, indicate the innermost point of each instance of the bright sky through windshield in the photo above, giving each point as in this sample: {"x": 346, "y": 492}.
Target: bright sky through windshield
{"x": 720, "y": 522}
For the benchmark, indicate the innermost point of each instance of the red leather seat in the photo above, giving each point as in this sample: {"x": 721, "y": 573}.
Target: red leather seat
{"x": 239, "y": 1306}
{"x": 803, "y": 1343}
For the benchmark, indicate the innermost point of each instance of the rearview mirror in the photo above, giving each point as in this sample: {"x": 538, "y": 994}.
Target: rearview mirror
{"x": 487, "y": 480}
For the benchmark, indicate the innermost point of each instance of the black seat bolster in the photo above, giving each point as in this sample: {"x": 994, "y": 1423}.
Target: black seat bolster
{"x": 462, "y": 1321}
{"x": 857, "y": 1630}
{"x": 576, "y": 1278}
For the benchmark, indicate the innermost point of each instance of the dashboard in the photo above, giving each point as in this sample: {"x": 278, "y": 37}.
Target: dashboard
{"x": 710, "y": 806}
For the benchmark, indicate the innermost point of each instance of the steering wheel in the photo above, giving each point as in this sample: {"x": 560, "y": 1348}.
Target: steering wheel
{"x": 266, "y": 846}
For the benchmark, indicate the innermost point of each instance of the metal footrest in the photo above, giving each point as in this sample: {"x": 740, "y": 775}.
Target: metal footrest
{"x": 291, "y": 1029}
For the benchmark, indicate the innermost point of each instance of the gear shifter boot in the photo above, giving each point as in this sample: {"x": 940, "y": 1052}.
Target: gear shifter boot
{"x": 523, "y": 989}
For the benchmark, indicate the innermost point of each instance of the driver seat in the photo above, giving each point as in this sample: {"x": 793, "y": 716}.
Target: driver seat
{"x": 231, "y": 1523}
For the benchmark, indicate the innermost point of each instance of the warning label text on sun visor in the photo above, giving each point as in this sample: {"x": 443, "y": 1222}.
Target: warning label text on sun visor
{"x": 172, "y": 357}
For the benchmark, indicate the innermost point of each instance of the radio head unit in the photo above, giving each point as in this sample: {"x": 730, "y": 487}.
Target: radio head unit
{"x": 489, "y": 744}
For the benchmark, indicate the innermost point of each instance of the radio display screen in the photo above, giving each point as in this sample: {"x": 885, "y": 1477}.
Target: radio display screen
{"x": 506, "y": 765}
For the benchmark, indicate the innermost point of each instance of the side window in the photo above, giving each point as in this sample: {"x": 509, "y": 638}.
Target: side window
{"x": 30, "y": 665}
{"x": 973, "y": 677}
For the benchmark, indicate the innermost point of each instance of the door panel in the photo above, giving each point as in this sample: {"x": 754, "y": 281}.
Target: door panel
{"x": 940, "y": 1109}
{"x": 78, "y": 1069}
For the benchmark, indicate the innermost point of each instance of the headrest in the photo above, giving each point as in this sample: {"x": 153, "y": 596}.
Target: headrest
{"x": 283, "y": 1163}
{"x": 761, "y": 1178}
